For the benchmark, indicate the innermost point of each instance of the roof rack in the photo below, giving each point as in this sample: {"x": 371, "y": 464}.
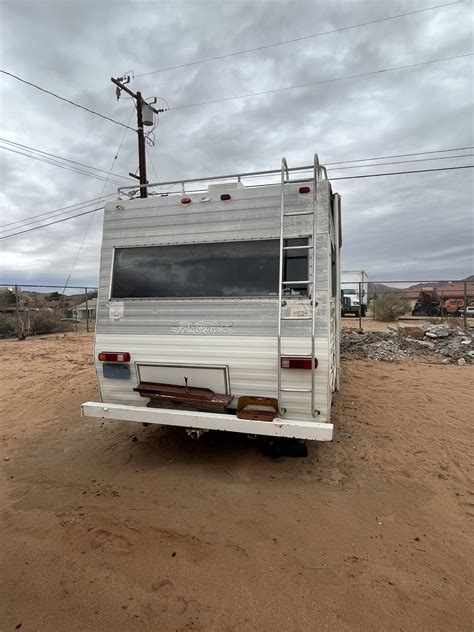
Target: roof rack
{"x": 320, "y": 171}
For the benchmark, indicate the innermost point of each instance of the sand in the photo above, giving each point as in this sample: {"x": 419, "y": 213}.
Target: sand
{"x": 116, "y": 527}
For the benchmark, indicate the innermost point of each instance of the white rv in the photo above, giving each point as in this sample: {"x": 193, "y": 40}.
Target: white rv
{"x": 219, "y": 305}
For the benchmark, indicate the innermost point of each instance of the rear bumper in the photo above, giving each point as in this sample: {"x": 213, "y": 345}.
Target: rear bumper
{"x": 293, "y": 428}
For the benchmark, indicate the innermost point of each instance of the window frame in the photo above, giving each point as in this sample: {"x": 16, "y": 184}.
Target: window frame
{"x": 263, "y": 297}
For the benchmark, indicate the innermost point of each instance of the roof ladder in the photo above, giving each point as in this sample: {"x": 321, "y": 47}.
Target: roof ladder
{"x": 310, "y": 282}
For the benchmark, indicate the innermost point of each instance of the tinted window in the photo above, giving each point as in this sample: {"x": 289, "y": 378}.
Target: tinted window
{"x": 239, "y": 268}
{"x": 295, "y": 266}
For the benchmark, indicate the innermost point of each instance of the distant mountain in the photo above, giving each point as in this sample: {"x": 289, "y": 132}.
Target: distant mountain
{"x": 428, "y": 284}
{"x": 469, "y": 279}
{"x": 381, "y": 288}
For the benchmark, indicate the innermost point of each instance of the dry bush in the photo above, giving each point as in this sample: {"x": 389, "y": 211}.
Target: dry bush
{"x": 389, "y": 307}
{"x": 45, "y": 322}
{"x": 7, "y": 326}
{"x": 32, "y": 323}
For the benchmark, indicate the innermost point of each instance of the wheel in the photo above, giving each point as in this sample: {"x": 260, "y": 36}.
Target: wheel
{"x": 276, "y": 447}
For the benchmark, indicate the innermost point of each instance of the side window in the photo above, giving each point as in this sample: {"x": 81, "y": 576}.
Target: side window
{"x": 215, "y": 269}
{"x": 296, "y": 266}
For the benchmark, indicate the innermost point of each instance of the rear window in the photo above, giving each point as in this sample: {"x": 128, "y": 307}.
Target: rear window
{"x": 231, "y": 269}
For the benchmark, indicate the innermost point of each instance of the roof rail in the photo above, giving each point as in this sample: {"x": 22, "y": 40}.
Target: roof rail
{"x": 320, "y": 170}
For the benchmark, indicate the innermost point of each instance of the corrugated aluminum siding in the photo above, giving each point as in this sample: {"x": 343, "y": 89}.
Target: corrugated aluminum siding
{"x": 250, "y": 348}
{"x": 252, "y": 363}
{"x": 251, "y": 214}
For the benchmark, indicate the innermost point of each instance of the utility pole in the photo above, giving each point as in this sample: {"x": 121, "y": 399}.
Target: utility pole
{"x": 121, "y": 85}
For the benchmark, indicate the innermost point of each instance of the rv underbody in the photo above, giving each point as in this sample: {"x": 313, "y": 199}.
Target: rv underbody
{"x": 219, "y": 310}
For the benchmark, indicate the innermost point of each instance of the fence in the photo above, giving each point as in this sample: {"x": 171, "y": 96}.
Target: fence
{"x": 39, "y": 309}
{"x": 27, "y": 310}
{"x": 408, "y": 300}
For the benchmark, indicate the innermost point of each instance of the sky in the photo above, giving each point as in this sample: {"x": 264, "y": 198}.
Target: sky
{"x": 405, "y": 227}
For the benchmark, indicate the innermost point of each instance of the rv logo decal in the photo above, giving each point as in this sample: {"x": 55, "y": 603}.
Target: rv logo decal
{"x": 202, "y": 327}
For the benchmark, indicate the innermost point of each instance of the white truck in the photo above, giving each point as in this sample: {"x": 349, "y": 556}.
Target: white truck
{"x": 354, "y": 292}
{"x": 219, "y": 305}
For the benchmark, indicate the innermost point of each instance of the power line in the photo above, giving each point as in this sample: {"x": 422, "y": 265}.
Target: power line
{"x": 416, "y": 153}
{"x": 56, "y": 164}
{"x": 321, "y": 82}
{"x": 28, "y": 221}
{"x": 400, "y": 173}
{"x": 400, "y": 162}
{"x": 77, "y": 105}
{"x": 62, "y": 208}
{"x": 152, "y": 163}
{"x": 85, "y": 203}
{"x": 78, "y": 205}
{"x": 368, "y": 175}
{"x": 91, "y": 221}
{"x": 381, "y": 164}
{"x": 75, "y": 162}
{"x": 58, "y": 221}
{"x": 296, "y": 39}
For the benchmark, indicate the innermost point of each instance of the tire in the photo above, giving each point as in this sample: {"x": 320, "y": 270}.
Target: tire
{"x": 277, "y": 447}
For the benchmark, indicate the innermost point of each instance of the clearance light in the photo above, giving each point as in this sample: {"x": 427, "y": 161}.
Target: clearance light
{"x": 304, "y": 189}
{"x": 225, "y": 196}
{"x": 297, "y": 362}
{"x": 114, "y": 356}
{"x": 185, "y": 200}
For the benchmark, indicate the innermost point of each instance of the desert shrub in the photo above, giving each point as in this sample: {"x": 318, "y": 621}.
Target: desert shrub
{"x": 32, "y": 323}
{"x": 45, "y": 322}
{"x": 389, "y": 307}
{"x": 7, "y": 297}
{"x": 7, "y": 326}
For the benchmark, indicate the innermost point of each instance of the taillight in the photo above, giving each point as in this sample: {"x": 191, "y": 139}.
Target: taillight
{"x": 186, "y": 200}
{"x": 114, "y": 356}
{"x": 296, "y": 362}
{"x": 225, "y": 196}
{"x": 304, "y": 189}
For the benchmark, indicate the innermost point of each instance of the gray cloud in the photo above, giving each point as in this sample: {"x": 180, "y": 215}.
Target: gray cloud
{"x": 408, "y": 226}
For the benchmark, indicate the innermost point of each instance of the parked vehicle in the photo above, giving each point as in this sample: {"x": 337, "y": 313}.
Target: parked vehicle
{"x": 219, "y": 308}
{"x": 452, "y": 306}
{"x": 469, "y": 311}
{"x": 354, "y": 293}
{"x": 427, "y": 304}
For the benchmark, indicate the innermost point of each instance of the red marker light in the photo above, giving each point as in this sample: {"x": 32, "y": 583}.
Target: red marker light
{"x": 225, "y": 196}
{"x": 304, "y": 189}
{"x": 114, "y": 356}
{"x": 297, "y": 363}
{"x": 186, "y": 200}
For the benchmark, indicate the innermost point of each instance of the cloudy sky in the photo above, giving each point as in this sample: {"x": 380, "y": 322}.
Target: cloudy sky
{"x": 414, "y": 227}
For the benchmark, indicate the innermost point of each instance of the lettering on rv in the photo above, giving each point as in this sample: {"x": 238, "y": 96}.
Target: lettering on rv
{"x": 202, "y": 327}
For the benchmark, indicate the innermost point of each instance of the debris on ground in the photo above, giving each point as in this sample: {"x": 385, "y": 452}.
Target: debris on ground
{"x": 405, "y": 342}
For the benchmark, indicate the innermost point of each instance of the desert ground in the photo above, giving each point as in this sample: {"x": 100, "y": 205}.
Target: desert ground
{"x": 116, "y": 527}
